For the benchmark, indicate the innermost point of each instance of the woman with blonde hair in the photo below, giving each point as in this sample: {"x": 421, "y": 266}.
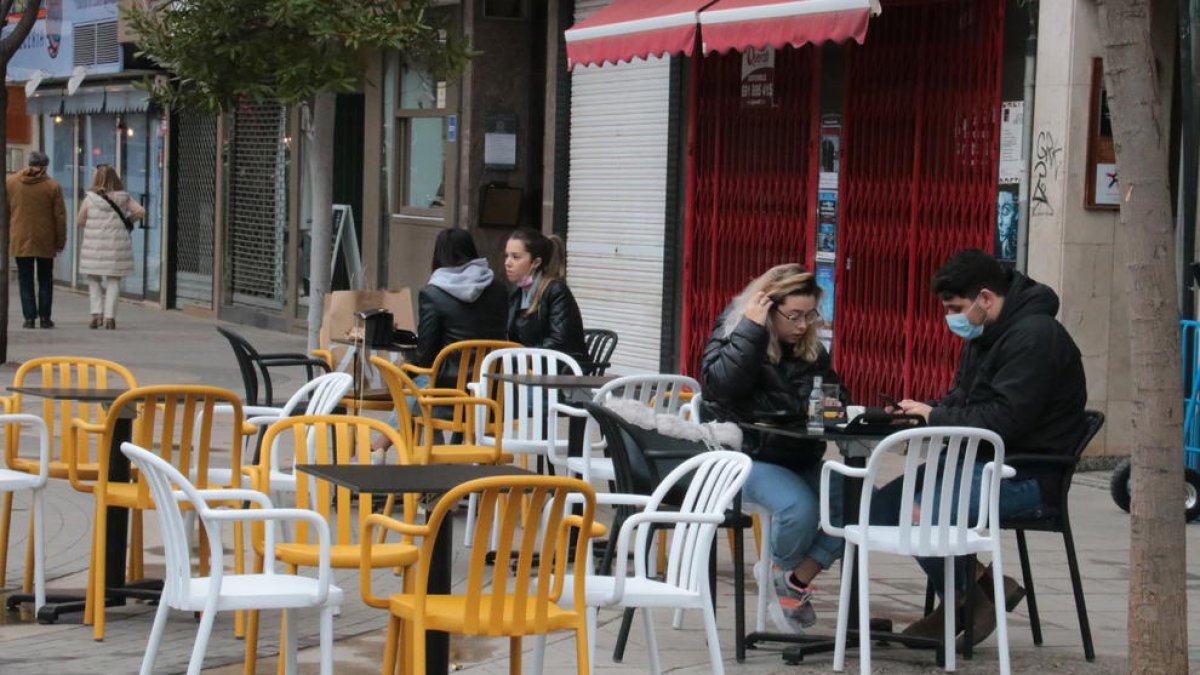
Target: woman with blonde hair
{"x": 106, "y": 252}
{"x": 542, "y": 312}
{"x": 760, "y": 361}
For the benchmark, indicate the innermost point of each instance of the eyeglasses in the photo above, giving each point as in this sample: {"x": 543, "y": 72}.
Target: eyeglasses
{"x": 808, "y": 318}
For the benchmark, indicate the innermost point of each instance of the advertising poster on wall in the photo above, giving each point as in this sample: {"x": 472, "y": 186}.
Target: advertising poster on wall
{"x": 825, "y": 281}
{"x": 52, "y": 44}
{"x": 826, "y": 224}
{"x": 758, "y": 77}
{"x": 1012, "y": 124}
{"x": 1008, "y": 216}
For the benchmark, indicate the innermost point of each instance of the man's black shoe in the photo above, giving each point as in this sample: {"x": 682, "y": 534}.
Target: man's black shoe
{"x": 28, "y": 324}
{"x": 46, "y": 323}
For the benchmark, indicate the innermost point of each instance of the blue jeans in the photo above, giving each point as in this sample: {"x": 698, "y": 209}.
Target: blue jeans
{"x": 422, "y": 382}
{"x": 793, "y": 500}
{"x": 1018, "y": 499}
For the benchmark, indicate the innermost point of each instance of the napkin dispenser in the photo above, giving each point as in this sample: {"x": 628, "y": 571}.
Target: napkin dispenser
{"x": 377, "y": 327}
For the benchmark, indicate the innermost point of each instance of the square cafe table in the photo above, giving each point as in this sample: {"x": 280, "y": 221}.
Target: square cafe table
{"x": 116, "y": 588}
{"x": 435, "y": 479}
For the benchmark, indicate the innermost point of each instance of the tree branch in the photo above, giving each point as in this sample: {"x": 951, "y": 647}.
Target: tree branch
{"x": 9, "y": 43}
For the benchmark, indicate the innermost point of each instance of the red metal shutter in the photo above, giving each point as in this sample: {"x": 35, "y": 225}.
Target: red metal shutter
{"x": 918, "y": 182}
{"x": 749, "y": 184}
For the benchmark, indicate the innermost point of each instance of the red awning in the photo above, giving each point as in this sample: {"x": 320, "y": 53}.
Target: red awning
{"x": 628, "y": 28}
{"x": 741, "y": 24}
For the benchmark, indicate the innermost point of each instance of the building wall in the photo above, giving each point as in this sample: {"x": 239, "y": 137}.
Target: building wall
{"x": 1077, "y": 250}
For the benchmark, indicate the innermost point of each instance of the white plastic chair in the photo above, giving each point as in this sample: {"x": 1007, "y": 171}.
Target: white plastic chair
{"x": 12, "y": 480}
{"x": 662, "y": 393}
{"x": 716, "y": 478}
{"x": 222, "y": 592}
{"x": 525, "y": 411}
{"x": 948, "y": 453}
{"x": 319, "y": 396}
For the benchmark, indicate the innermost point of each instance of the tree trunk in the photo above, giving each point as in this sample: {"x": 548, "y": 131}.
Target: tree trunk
{"x": 4, "y": 223}
{"x": 318, "y": 153}
{"x": 1157, "y": 625}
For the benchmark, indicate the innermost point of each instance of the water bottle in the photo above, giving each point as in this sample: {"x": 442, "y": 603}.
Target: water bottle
{"x": 816, "y": 409}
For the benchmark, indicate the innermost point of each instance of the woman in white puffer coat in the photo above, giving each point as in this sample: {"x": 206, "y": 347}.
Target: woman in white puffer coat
{"x": 106, "y": 253}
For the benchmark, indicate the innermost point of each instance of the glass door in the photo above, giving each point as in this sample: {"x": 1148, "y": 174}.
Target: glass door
{"x": 141, "y": 172}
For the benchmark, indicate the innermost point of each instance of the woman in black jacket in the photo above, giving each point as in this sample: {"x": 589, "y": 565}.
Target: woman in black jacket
{"x": 464, "y": 300}
{"x": 762, "y": 358}
{"x": 541, "y": 310}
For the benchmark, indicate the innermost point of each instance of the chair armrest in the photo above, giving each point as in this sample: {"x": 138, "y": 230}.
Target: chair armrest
{"x": 8, "y": 404}
{"x": 367, "y": 542}
{"x": 633, "y": 525}
{"x": 269, "y": 515}
{"x": 597, "y": 530}
{"x": 231, "y": 495}
{"x": 325, "y": 355}
{"x": 77, "y": 427}
{"x": 416, "y": 370}
{"x": 827, "y": 470}
{"x": 985, "y": 495}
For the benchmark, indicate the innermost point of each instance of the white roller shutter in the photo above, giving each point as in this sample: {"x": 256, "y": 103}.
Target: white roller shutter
{"x": 616, "y": 208}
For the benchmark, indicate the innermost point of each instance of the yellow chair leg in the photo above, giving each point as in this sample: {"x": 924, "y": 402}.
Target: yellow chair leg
{"x": 661, "y": 560}
{"x": 98, "y": 575}
{"x": 5, "y": 519}
{"x": 389, "y": 647}
{"x": 136, "y": 569}
{"x": 250, "y": 664}
{"x": 27, "y": 582}
{"x": 581, "y": 650}
{"x": 756, "y": 526}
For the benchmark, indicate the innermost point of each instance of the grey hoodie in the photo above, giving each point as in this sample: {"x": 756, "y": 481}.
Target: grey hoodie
{"x": 465, "y": 282}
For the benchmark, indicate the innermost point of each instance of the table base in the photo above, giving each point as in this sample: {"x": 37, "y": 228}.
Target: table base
{"x": 72, "y": 602}
{"x": 803, "y": 645}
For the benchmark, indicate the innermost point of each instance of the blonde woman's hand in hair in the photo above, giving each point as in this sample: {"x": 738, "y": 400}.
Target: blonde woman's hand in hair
{"x": 757, "y": 307}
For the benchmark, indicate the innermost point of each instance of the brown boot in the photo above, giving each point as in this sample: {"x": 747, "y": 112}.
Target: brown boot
{"x": 929, "y": 626}
{"x": 1013, "y": 592}
{"x": 97, "y": 319}
{"x": 110, "y": 324}
{"x": 983, "y": 618}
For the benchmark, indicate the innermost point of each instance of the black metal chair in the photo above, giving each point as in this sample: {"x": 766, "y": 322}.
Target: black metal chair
{"x": 600, "y": 345}
{"x": 641, "y": 458}
{"x": 1054, "y": 520}
{"x": 255, "y": 365}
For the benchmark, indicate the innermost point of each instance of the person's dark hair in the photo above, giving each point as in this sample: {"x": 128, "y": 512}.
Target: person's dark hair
{"x": 968, "y": 272}
{"x": 550, "y": 251}
{"x": 452, "y": 248}
{"x": 38, "y": 159}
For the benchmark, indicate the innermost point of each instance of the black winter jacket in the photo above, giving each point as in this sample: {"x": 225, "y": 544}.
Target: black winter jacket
{"x": 1023, "y": 379}
{"x": 739, "y": 383}
{"x": 445, "y": 319}
{"x": 557, "y": 323}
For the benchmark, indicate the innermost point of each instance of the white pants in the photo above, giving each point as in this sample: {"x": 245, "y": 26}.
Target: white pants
{"x": 112, "y": 291}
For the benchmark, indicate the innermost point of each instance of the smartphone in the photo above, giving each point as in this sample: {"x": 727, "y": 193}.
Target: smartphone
{"x": 888, "y": 401}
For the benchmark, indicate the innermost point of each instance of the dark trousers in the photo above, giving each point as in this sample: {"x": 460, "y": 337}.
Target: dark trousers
{"x": 39, "y": 306}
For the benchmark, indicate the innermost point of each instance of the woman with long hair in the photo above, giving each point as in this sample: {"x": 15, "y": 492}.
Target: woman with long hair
{"x": 762, "y": 359}
{"x": 542, "y": 312}
{"x": 106, "y": 251}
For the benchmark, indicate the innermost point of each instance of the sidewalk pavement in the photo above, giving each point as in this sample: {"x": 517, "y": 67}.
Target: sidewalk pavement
{"x": 170, "y": 347}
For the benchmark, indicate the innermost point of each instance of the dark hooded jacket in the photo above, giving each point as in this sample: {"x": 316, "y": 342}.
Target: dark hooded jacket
{"x": 467, "y": 302}
{"x": 1023, "y": 379}
{"x": 740, "y": 384}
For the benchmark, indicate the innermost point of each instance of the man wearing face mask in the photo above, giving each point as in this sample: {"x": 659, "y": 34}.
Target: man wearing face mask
{"x": 1019, "y": 375}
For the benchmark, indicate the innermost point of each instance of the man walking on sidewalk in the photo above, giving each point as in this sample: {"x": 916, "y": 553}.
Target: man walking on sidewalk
{"x": 37, "y": 220}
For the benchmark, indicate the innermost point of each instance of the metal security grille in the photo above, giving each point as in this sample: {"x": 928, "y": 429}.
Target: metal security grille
{"x": 196, "y": 207}
{"x": 918, "y": 183}
{"x": 257, "y": 218}
{"x": 749, "y": 185}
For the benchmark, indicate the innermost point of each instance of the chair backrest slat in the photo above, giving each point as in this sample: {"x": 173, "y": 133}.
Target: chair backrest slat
{"x": 524, "y": 408}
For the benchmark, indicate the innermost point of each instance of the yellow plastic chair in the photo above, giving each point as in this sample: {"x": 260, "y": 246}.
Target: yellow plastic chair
{"x": 174, "y": 421}
{"x": 329, "y": 439}
{"x": 421, "y": 433}
{"x": 468, "y": 355}
{"x": 79, "y": 372}
{"x": 498, "y": 600}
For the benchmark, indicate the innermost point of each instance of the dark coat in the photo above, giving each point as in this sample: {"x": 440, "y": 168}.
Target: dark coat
{"x": 740, "y": 384}
{"x": 1023, "y": 379}
{"x": 557, "y": 323}
{"x": 445, "y": 319}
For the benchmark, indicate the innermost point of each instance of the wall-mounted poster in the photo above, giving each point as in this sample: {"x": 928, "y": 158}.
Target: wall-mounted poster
{"x": 825, "y": 281}
{"x": 826, "y": 222}
{"x": 758, "y": 77}
{"x": 1012, "y": 156}
{"x": 1007, "y": 220}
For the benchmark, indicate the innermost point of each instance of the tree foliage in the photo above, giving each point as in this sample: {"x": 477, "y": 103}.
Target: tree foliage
{"x": 216, "y": 52}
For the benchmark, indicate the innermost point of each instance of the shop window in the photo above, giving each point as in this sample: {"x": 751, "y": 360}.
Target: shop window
{"x": 422, "y": 126}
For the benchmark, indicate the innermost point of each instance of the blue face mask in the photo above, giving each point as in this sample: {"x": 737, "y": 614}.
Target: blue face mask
{"x": 961, "y": 326}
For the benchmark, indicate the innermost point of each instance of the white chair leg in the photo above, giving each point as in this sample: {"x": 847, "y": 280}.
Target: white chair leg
{"x": 39, "y": 552}
{"x": 843, "y": 620}
{"x": 201, "y": 646}
{"x": 289, "y": 636}
{"x": 1001, "y": 613}
{"x": 651, "y": 641}
{"x": 864, "y": 613}
{"x": 156, "y": 632}
{"x": 538, "y": 659}
{"x": 469, "y": 528}
{"x": 948, "y": 601}
{"x": 327, "y": 640}
{"x": 714, "y": 640}
{"x": 764, "y": 567}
